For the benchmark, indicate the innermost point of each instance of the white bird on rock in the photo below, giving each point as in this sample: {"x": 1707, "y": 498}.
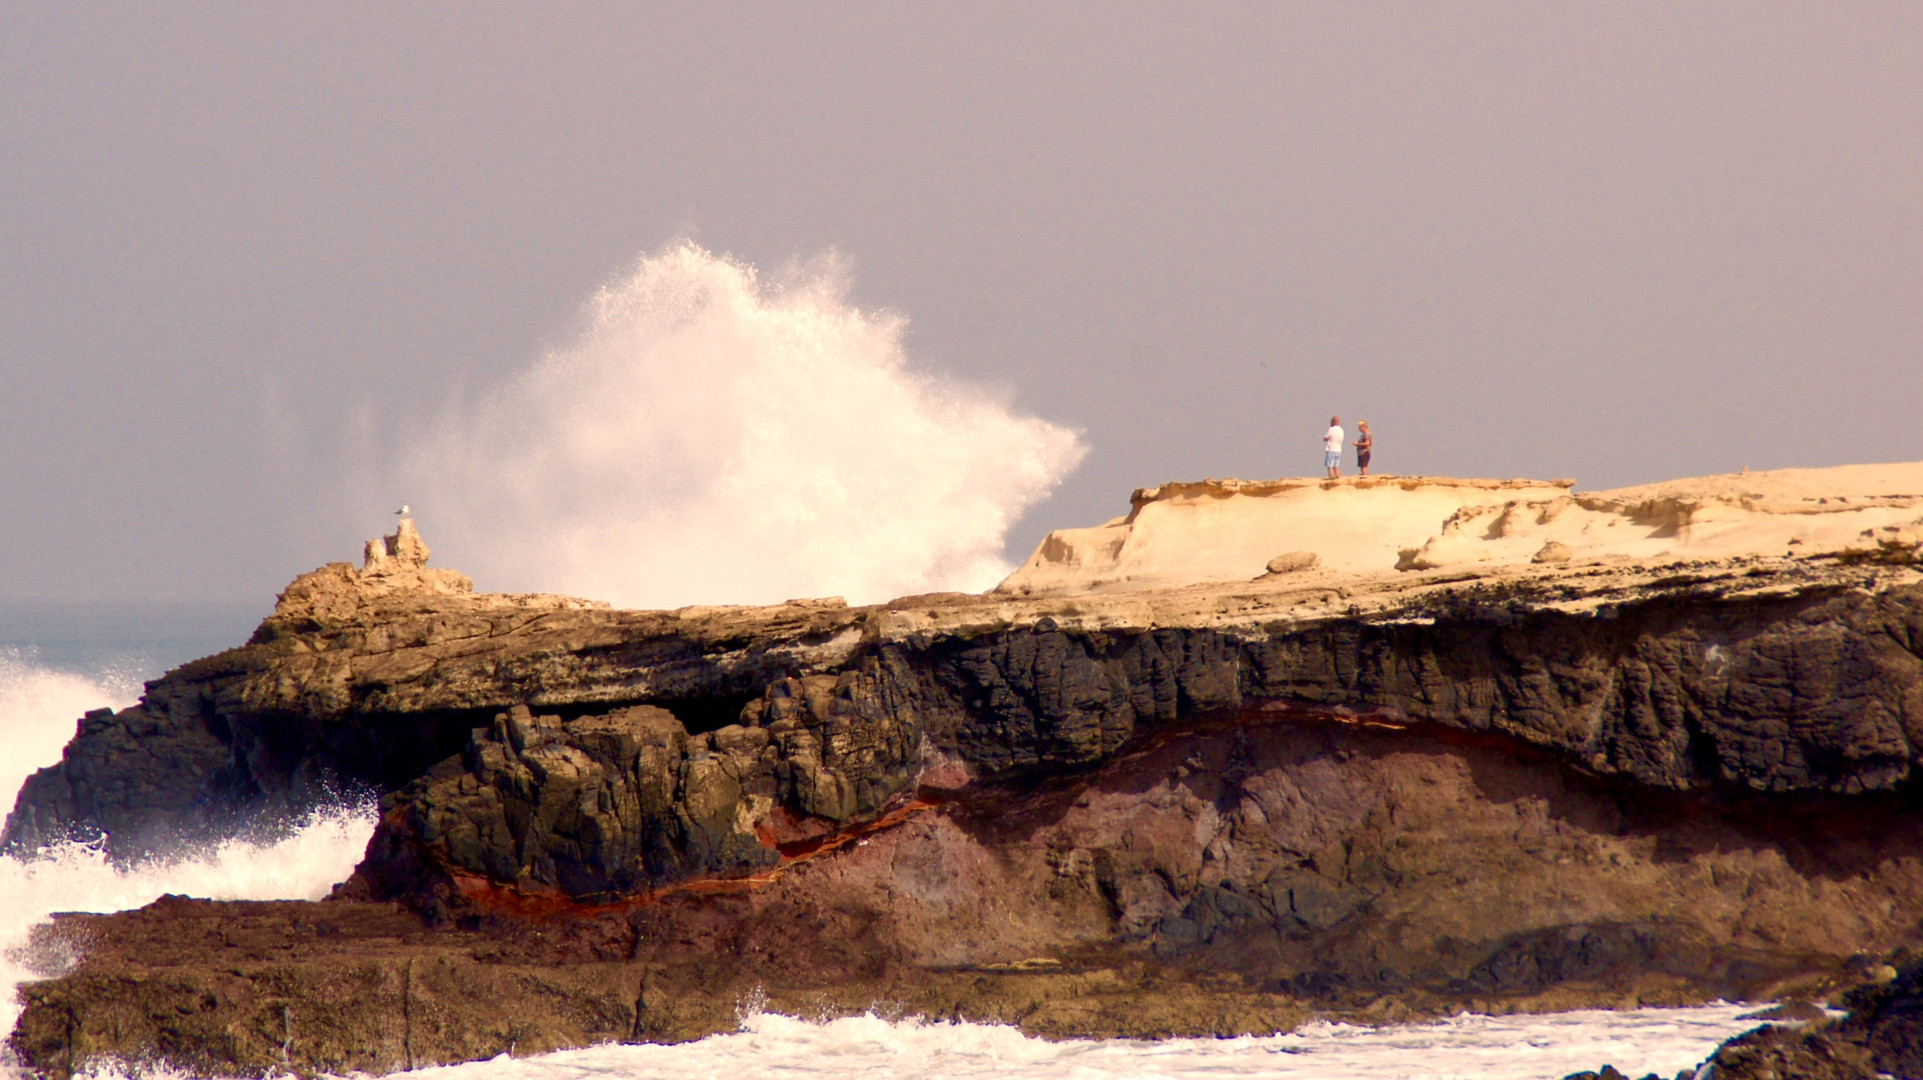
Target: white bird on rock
{"x": 404, "y": 510}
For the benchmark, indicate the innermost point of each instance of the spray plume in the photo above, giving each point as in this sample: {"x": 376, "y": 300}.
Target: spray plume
{"x": 710, "y": 438}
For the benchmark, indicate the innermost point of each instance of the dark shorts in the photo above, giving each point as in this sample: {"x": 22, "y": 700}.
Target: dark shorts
{"x": 1362, "y": 459}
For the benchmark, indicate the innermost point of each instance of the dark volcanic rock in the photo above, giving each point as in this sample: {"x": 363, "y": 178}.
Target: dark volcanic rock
{"x": 1881, "y": 1036}
{"x": 624, "y": 802}
{"x": 1798, "y": 697}
{"x": 1229, "y": 877}
{"x": 1819, "y": 689}
{"x": 262, "y": 988}
{"x": 342, "y": 987}
{"x": 351, "y": 688}
{"x": 1201, "y": 812}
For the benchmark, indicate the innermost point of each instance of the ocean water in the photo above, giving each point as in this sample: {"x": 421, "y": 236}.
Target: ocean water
{"x": 56, "y": 664}
{"x": 60, "y": 659}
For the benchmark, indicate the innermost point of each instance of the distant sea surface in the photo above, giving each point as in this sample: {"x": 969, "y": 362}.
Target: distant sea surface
{"x": 140, "y": 639}
{"x": 58, "y": 660}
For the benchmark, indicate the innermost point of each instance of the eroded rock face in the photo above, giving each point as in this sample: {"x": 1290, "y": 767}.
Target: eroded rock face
{"x": 401, "y": 552}
{"x": 1549, "y": 786}
{"x": 1187, "y": 534}
{"x": 258, "y": 989}
{"x": 1234, "y": 877}
{"x": 359, "y": 683}
{"x": 1820, "y": 692}
{"x": 1316, "y": 854}
{"x": 616, "y": 804}
{"x": 1710, "y": 681}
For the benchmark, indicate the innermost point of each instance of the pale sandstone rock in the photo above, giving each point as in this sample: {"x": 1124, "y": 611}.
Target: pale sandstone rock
{"x": 394, "y": 570}
{"x": 1227, "y": 530}
{"x": 405, "y": 550}
{"x": 1555, "y": 551}
{"x": 1220, "y": 531}
{"x": 1452, "y": 547}
{"x": 1293, "y": 561}
{"x": 1891, "y": 544}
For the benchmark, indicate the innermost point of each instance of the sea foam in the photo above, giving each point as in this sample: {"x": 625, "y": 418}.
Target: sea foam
{"x": 38, "y": 710}
{"x": 709, "y": 437}
{"x": 39, "y": 707}
{"x": 317, "y": 853}
{"x": 1524, "y": 1047}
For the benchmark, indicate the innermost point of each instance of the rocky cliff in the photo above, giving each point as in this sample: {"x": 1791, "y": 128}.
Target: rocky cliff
{"x": 1201, "y": 807}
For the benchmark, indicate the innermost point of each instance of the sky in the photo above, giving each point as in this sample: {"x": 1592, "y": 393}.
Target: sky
{"x": 249, "y": 252}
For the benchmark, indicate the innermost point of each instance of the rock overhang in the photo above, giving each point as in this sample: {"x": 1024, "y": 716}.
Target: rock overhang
{"x": 1212, "y": 776}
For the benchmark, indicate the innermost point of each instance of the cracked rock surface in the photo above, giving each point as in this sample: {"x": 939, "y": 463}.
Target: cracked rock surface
{"x": 1208, "y": 809}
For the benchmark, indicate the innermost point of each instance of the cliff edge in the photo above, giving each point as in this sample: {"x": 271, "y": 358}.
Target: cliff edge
{"x": 1222, "y": 531}
{"x": 1228, "y": 767}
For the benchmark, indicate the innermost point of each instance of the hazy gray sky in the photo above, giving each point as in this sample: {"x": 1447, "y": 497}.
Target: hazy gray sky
{"x": 242, "y": 245}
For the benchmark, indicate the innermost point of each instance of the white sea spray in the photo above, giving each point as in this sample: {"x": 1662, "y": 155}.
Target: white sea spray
{"x": 709, "y": 437}
{"x": 317, "y": 853}
{"x": 1663, "y": 1041}
{"x": 39, "y": 707}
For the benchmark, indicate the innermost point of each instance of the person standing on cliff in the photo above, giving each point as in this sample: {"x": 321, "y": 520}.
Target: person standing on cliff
{"x": 1364, "y": 443}
{"x": 1332, "y": 447}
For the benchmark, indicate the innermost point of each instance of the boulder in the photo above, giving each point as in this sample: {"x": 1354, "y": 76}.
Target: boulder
{"x": 1555, "y": 551}
{"x": 1291, "y": 562}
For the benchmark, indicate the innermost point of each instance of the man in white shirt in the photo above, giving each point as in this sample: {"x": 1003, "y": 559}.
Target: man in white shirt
{"x": 1332, "y": 447}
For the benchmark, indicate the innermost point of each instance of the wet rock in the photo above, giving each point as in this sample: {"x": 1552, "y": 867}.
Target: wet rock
{"x": 1250, "y": 869}
{"x": 1881, "y": 1036}
{"x": 307, "y": 989}
{"x": 625, "y": 802}
{"x": 1185, "y": 813}
{"x": 1609, "y": 1072}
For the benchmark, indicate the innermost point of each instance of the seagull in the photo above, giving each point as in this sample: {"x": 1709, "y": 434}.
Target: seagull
{"x": 404, "y": 510}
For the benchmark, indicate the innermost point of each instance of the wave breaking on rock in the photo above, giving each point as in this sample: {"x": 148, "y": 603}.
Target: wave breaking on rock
{"x": 1239, "y": 772}
{"x": 710, "y": 436}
